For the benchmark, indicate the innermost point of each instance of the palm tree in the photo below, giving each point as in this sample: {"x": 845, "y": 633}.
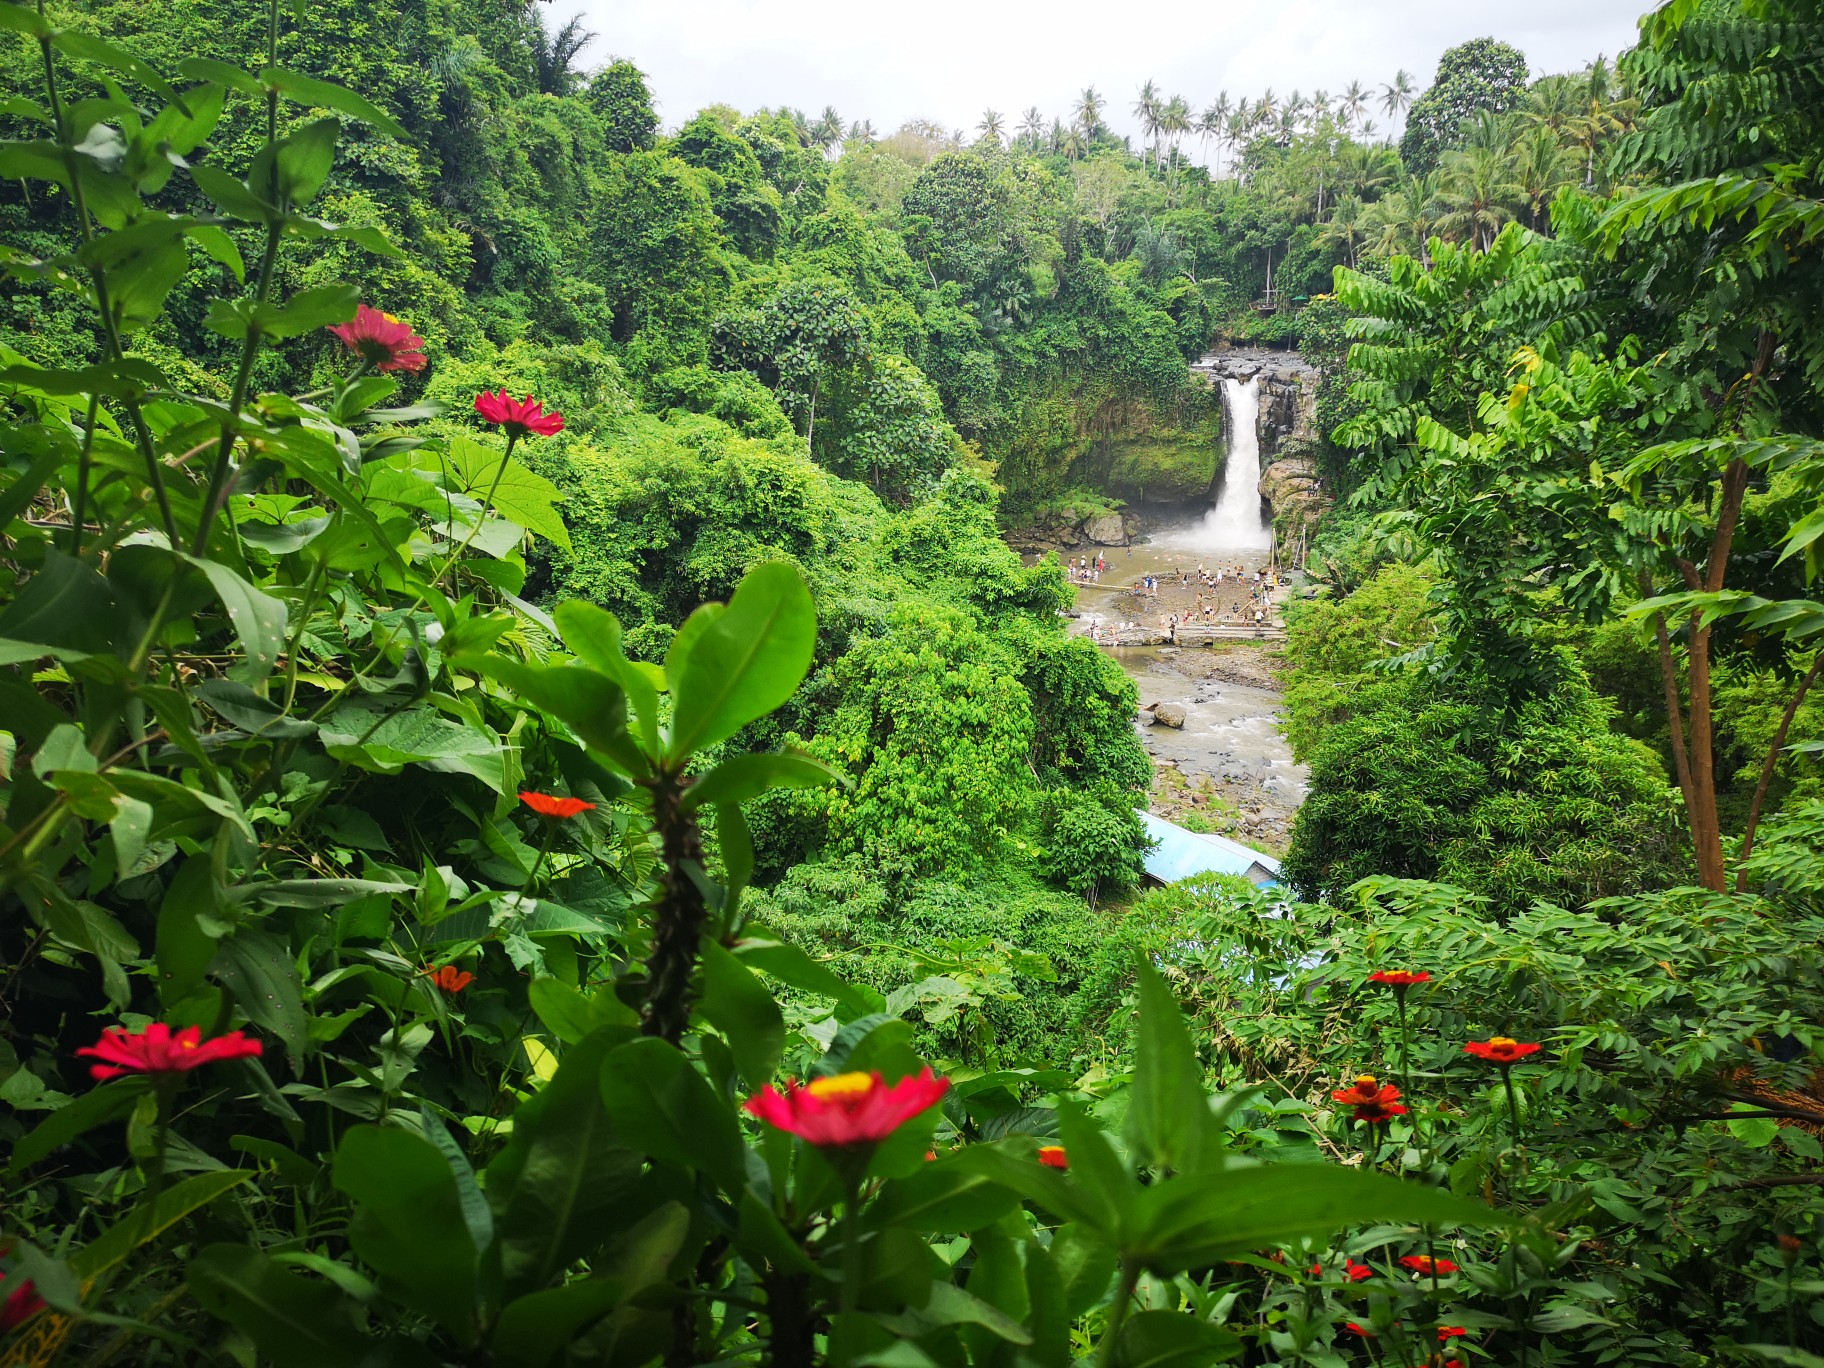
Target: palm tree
{"x": 1147, "y": 109}
{"x": 1213, "y": 120}
{"x": 1479, "y": 194}
{"x": 1236, "y": 133}
{"x": 1396, "y": 95}
{"x": 1542, "y": 167}
{"x": 1347, "y": 229}
{"x": 1399, "y": 222}
{"x": 828, "y": 128}
{"x": 1355, "y": 104}
{"x": 1032, "y": 128}
{"x": 1266, "y": 109}
{"x": 1175, "y": 122}
{"x": 554, "y": 55}
{"x": 992, "y": 126}
{"x": 1088, "y": 113}
{"x": 862, "y": 130}
{"x": 1074, "y": 144}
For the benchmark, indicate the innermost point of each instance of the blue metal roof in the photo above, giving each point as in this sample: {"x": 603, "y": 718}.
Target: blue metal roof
{"x": 1179, "y": 854}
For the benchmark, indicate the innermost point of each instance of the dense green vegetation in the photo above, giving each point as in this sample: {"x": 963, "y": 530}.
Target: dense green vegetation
{"x": 493, "y": 801}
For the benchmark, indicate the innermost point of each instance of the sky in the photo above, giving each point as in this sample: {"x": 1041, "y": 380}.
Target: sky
{"x": 948, "y": 60}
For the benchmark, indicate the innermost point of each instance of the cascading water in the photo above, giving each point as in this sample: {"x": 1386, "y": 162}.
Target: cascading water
{"x": 1236, "y": 523}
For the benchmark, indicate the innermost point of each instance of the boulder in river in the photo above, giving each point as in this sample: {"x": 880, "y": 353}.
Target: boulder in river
{"x": 1168, "y": 715}
{"x": 1106, "y": 530}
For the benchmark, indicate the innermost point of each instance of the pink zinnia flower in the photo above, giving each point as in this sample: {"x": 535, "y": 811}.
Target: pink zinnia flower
{"x": 382, "y": 340}
{"x": 847, "y": 1111}
{"x": 157, "y": 1051}
{"x": 520, "y": 417}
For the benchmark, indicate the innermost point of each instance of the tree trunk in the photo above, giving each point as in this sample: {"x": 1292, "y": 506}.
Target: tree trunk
{"x": 1767, "y": 766}
{"x": 678, "y": 917}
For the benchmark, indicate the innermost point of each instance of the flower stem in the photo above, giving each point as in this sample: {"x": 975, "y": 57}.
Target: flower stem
{"x": 1117, "y": 1316}
{"x": 850, "y": 1296}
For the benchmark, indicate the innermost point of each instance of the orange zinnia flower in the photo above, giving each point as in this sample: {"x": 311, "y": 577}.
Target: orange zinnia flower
{"x": 1373, "y": 1101}
{"x": 1424, "y": 1263}
{"x": 450, "y": 978}
{"x": 1399, "y": 978}
{"x": 550, "y": 805}
{"x": 1500, "y": 1049}
{"x": 1053, "y": 1156}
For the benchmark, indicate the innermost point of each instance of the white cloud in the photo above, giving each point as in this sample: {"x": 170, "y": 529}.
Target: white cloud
{"x": 950, "y": 59}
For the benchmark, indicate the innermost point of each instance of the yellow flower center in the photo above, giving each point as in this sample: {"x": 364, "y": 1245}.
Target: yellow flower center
{"x": 1502, "y": 1042}
{"x": 390, "y": 318}
{"x": 840, "y": 1087}
{"x": 1366, "y": 1082}
{"x": 187, "y": 1044}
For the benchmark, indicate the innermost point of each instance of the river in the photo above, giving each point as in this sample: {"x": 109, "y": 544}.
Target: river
{"x": 1229, "y": 764}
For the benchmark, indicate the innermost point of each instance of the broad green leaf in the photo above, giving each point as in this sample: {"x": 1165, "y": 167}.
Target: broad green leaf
{"x": 565, "y": 1174}
{"x": 1193, "y": 1221}
{"x": 96, "y": 1107}
{"x": 571, "y": 1015}
{"x": 519, "y": 494}
{"x": 534, "y": 1330}
{"x": 321, "y": 892}
{"x": 66, "y": 604}
{"x": 738, "y": 1005}
{"x": 257, "y": 968}
{"x": 1169, "y": 1126}
{"x": 741, "y": 777}
{"x": 184, "y": 948}
{"x": 296, "y": 1322}
{"x": 665, "y": 1108}
{"x": 588, "y": 702}
{"x": 745, "y": 663}
{"x": 1172, "y": 1339}
{"x": 138, "y": 1227}
{"x": 594, "y": 636}
{"x": 312, "y": 93}
{"x": 408, "y": 1223}
{"x": 942, "y": 1198}
{"x": 791, "y": 964}
{"x": 251, "y": 712}
{"x": 305, "y": 312}
{"x": 257, "y": 617}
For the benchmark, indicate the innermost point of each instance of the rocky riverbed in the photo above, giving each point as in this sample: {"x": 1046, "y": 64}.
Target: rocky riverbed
{"x": 1227, "y": 769}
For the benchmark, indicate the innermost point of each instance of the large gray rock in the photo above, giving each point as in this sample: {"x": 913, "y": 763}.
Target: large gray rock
{"x": 1106, "y": 530}
{"x": 1168, "y": 715}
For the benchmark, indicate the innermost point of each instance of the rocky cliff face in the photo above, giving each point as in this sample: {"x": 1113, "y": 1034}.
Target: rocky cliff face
{"x": 1289, "y": 478}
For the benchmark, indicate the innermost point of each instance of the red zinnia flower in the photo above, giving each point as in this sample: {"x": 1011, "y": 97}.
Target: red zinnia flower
{"x": 1399, "y": 978}
{"x": 847, "y": 1111}
{"x": 157, "y": 1051}
{"x": 1353, "y": 1328}
{"x": 1424, "y": 1263}
{"x": 21, "y": 1304}
{"x": 520, "y": 417}
{"x": 382, "y": 340}
{"x": 1447, "y": 1333}
{"x": 1053, "y": 1156}
{"x": 450, "y": 978}
{"x": 550, "y": 805}
{"x": 1373, "y": 1101}
{"x": 1356, "y": 1272}
{"x": 1500, "y": 1049}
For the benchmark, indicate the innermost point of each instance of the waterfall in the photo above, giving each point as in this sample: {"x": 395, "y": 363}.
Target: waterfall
{"x": 1236, "y": 523}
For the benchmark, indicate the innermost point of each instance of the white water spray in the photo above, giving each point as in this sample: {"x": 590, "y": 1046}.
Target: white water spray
{"x": 1236, "y": 523}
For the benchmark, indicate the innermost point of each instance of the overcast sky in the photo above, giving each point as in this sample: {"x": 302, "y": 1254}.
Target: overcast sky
{"x": 949, "y": 60}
